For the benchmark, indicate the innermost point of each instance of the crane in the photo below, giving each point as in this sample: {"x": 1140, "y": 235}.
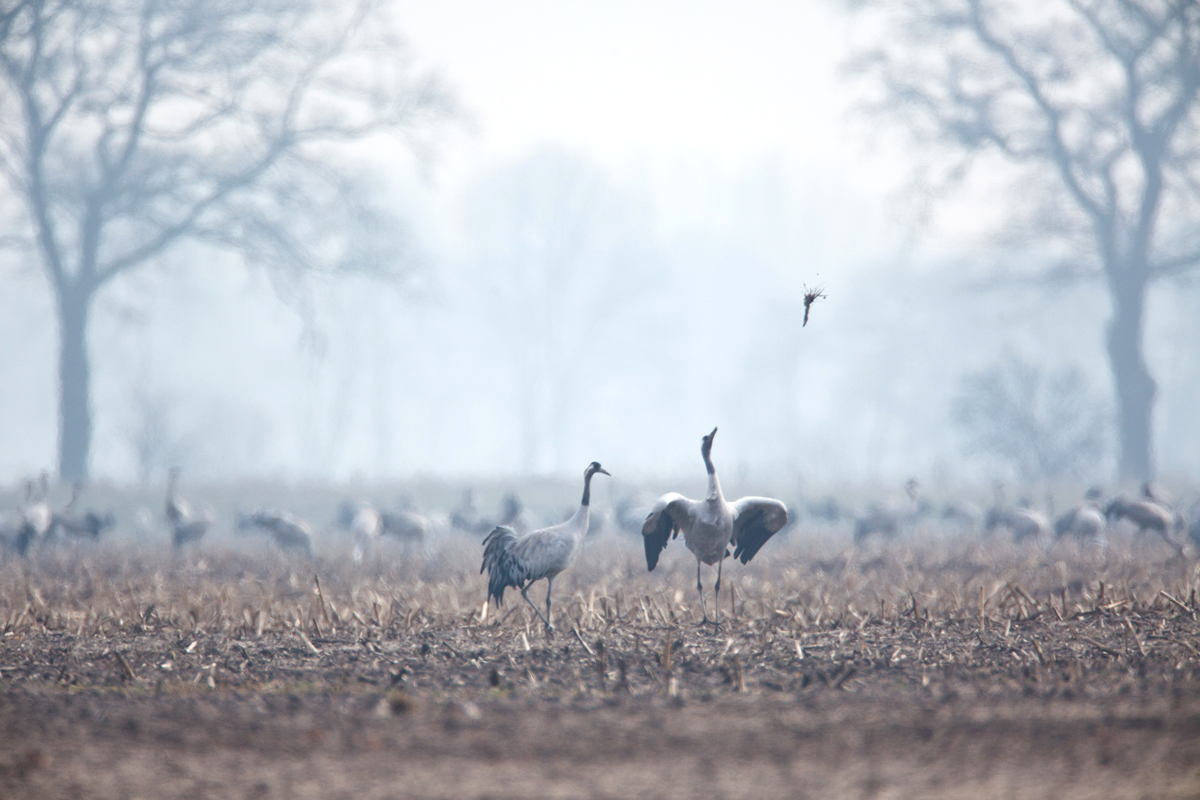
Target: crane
{"x": 287, "y": 530}
{"x": 1147, "y": 515}
{"x": 513, "y": 559}
{"x": 187, "y": 525}
{"x": 710, "y": 525}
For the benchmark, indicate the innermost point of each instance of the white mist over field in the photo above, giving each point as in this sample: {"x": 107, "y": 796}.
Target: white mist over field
{"x": 608, "y": 256}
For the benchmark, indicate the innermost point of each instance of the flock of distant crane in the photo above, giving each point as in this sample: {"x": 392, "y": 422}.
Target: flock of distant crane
{"x": 36, "y": 522}
{"x": 516, "y": 554}
{"x": 1088, "y": 521}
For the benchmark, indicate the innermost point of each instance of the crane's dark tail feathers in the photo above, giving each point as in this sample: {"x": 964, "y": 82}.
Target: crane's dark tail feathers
{"x": 501, "y": 565}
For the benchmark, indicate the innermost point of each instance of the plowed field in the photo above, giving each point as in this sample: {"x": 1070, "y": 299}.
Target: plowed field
{"x": 948, "y": 668}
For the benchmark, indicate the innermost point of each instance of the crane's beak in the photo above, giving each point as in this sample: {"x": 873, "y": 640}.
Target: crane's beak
{"x": 603, "y": 471}
{"x": 711, "y": 435}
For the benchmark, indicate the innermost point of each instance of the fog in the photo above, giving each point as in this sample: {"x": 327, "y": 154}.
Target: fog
{"x": 605, "y": 256}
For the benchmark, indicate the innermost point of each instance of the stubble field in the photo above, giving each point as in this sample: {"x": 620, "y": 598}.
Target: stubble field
{"x": 934, "y": 666}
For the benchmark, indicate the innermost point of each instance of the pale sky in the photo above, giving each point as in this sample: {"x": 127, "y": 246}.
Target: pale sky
{"x": 655, "y": 88}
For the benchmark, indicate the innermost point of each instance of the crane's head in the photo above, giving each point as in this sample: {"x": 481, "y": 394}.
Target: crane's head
{"x": 593, "y": 468}
{"x": 706, "y": 443}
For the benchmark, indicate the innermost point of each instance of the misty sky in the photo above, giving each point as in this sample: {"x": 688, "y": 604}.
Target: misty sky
{"x": 704, "y": 158}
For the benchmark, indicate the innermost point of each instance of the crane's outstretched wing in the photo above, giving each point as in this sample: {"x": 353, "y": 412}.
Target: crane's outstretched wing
{"x": 755, "y": 519}
{"x": 671, "y": 514}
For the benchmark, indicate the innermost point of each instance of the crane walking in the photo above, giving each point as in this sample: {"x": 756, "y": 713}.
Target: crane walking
{"x": 287, "y": 530}
{"x": 1147, "y": 515}
{"x": 187, "y": 524}
{"x": 517, "y": 560}
{"x": 710, "y": 525}
{"x": 1085, "y": 522}
{"x": 36, "y": 517}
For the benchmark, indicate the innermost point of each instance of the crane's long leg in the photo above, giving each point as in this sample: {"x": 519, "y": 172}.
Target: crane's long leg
{"x": 717, "y": 595}
{"x": 700, "y": 589}
{"x": 536, "y": 610}
{"x": 549, "y": 586}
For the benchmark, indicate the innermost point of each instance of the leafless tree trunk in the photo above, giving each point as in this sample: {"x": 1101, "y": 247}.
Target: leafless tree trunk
{"x": 75, "y": 381}
{"x": 1095, "y": 103}
{"x": 1135, "y": 387}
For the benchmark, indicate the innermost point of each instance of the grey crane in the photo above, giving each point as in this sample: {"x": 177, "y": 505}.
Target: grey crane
{"x": 367, "y": 523}
{"x": 710, "y": 525}
{"x": 287, "y": 530}
{"x": 517, "y": 560}
{"x": 888, "y": 519}
{"x": 88, "y": 525}
{"x": 191, "y": 529}
{"x": 1147, "y": 515}
{"x": 1085, "y": 521}
{"x": 405, "y": 525}
{"x": 962, "y": 514}
{"x": 176, "y": 508}
{"x": 827, "y": 509}
{"x": 187, "y": 524}
{"x": 364, "y": 522}
{"x": 1023, "y": 523}
{"x": 465, "y": 517}
{"x": 36, "y": 516}
{"x": 513, "y": 514}
{"x": 1021, "y": 520}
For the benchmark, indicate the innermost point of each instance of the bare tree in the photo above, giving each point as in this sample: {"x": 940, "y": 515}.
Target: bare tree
{"x": 1094, "y": 102}
{"x": 129, "y": 127}
{"x": 1044, "y": 426}
{"x": 560, "y": 249}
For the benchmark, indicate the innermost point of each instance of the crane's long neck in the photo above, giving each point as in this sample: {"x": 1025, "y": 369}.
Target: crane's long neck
{"x": 579, "y": 521}
{"x": 714, "y": 483}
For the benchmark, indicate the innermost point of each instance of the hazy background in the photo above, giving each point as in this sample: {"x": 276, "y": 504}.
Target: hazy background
{"x": 608, "y": 256}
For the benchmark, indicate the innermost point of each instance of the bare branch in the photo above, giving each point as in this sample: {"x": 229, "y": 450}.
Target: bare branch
{"x": 1176, "y": 265}
{"x": 201, "y": 106}
{"x": 1059, "y": 153}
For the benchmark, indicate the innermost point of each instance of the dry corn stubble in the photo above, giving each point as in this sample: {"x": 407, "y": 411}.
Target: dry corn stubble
{"x": 877, "y": 670}
{"x": 940, "y": 617}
